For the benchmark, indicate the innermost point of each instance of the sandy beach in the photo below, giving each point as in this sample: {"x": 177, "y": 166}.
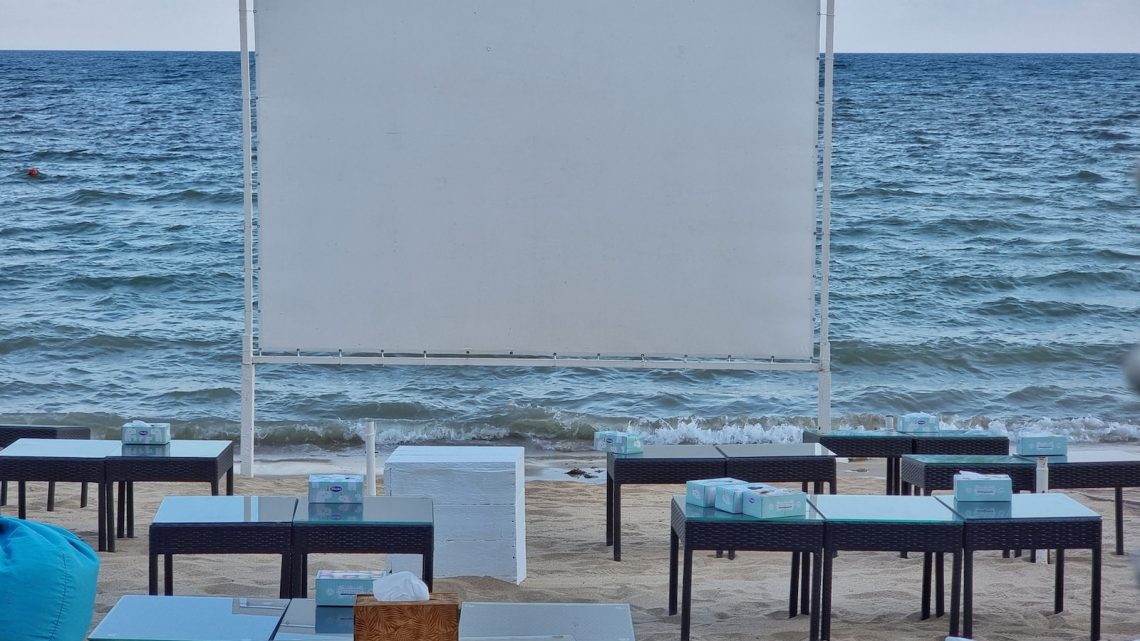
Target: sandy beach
{"x": 875, "y": 594}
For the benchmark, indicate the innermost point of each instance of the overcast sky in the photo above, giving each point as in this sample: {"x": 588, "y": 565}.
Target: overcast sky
{"x": 861, "y": 25}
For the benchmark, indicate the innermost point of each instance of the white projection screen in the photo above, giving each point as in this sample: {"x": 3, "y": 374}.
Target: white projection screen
{"x": 537, "y": 177}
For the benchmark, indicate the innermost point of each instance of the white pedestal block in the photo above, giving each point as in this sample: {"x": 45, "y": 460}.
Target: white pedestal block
{"x": 479, "y": 507}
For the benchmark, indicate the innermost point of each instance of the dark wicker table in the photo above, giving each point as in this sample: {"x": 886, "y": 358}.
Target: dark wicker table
{"x": 893, "y": 445}
{"x": 928, "y": 472}
{"x": 31, "y": 459}
{"x": 11, "y": 433}
{"x": 888, "y": 524}
{"x": 1098, "y": 469}
{"x": 658, "y": 464}
{"x": 221, "y": 525}
{"x": 884, "y": 444}
{"x": 180, "y": 461}
{"x": 1033, "y": 521}
{"x": 380, "y": 525}
{"x": 705, "y": 528}
{"x": 1079, "y": 470}
{"x": 782, "y": 462}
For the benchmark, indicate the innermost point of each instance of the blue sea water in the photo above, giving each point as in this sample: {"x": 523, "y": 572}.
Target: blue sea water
{"x": 985, "y": 266}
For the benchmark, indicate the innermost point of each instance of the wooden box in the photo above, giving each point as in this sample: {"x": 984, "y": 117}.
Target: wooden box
{"x": 436, "y": 619}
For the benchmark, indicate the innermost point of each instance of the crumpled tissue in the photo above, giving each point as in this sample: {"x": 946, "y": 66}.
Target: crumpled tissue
{"x": 400, "y": 586}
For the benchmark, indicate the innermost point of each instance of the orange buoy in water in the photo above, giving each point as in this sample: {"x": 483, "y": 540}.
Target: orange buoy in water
{"x": 33, "y": 172}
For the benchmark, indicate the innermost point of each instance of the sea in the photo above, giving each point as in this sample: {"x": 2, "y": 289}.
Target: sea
{"x": 985, "y": 267}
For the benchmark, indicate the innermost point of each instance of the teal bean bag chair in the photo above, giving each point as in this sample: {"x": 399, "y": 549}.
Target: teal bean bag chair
{"x": 48, "y": 578}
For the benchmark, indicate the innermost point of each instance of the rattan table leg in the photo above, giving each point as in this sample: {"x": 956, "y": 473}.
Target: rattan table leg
{"x": 955, "y": 591}
{"x": 168, "y": 574}
{"x": 121, "y": 527}
{"x": 51, "y": 496}
{"x": 794, "y": 587}
{"x": 686, "y": 592}
{"x": 805, "y": 582}
{"x": 107, "y": 513}
{"x": 286, "y": 587}
{"x": 926, "y": 558}
{"x": 152, "y": 575}
{"x": 22, "y": 502}
{"x": 967, "y": 593}
{"x": 890, "y": 475}
{"x": 825, "y": 597}
{"x": 83, "y": 494}
{"x": 939, "y": 584}
{"x": 1094, "y": 632}
{"x": 1119, "y": 521}
{"x": 1059, "y": 581}
{"x": 609, "y": 510}
{"x": 817, "y": 576}
{"x": 617, "y": 521}
{"x": 130, "y": 509}
{"x": 3, "y": 492}
{"x": 673, "y": 544}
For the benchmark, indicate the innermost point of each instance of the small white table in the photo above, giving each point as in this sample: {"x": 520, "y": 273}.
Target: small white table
{"x": 480, "y": 514}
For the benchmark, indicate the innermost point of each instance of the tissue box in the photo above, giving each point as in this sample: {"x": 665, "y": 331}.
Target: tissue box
{"x": 146, "y": 433}
{"x": 604, "y": 440}
{"x": 336, "y": 488}
{"x": 333, "y": 620}
{"x": 619, "y": 442}
{"x": 1041, "y": 444}
{"x": 336, "y": 512}
{"x": 436, "y": 619}
{"x": 628, "y": 444}
{"x": 984, "y": 510}
{"x": 703, "y": 492}
{"x": 774, "y": 503}
{"x": 918, "y": 422}
{"x": 730, "y": 498}
{"x": 971, "y": 486}
{"x": 145, "y": 449}
{"x": 340, "y": 587}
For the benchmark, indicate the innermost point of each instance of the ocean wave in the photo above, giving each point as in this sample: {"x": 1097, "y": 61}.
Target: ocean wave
{"x": 1084, "y": 176}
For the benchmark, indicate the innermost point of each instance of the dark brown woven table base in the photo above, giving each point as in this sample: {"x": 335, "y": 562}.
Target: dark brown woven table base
{"x": 929, "y": 538}
{"x": 359, "y": 538}
{"x": 621, "y": 471}
{"x": 804, "y": 539}
{"x": 1034, "y": 534}
{"x": 83, "y": 470}
{"x": 168, "y": 539}
{"x": 11, "y": 433}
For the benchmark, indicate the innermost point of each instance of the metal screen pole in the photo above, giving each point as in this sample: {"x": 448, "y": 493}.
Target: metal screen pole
{"x": 824, "y": 422}
{"x": 247, "y": 366}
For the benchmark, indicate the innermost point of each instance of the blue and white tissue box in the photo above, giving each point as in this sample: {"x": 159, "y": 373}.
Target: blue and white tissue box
{"x": 774, "y": 502}
{"x": 730, "y": 498}
{"x": 973, "y": 487}
{"x": 984, "y": 509}
{"x": 146, "y": 449}
{"x": 333, "y": 620}
{"x": 340, "y": 587}
{"x": 1041, "y": 444}
{"x": 336, "y": 512}
{"x": 336, "y": 488}
{"x": 702, "y": 492}
{"x": 146, "y": 433}
{"x": 604, "y": 440}
{"x": 619, "y": 442}
{"x": 918, "y": 422}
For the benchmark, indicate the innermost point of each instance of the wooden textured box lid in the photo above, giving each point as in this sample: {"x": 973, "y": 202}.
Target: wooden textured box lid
{"x": 436, "y": 619}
